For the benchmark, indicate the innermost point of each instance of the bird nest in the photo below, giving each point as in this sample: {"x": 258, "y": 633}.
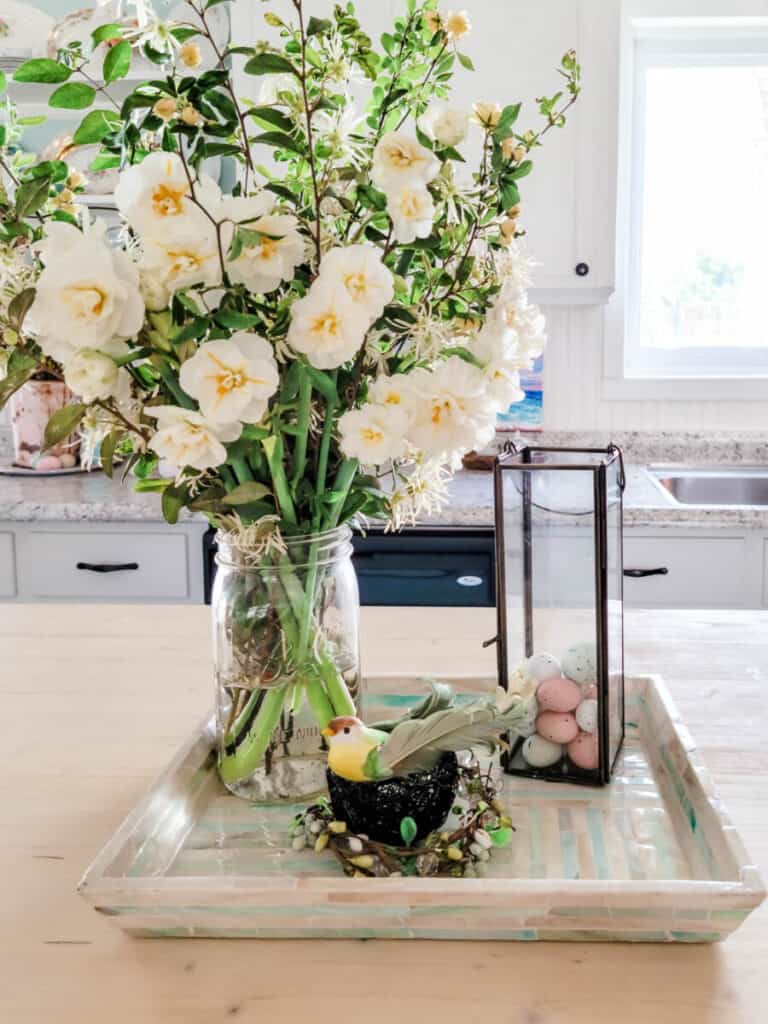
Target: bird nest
{"x": 408, "y": 838}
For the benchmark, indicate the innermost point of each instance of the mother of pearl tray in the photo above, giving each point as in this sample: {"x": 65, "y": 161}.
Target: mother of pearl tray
{"x": 651, "y": 858}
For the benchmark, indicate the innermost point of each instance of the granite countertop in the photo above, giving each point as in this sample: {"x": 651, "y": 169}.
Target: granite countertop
{"x": 92, "y": 497}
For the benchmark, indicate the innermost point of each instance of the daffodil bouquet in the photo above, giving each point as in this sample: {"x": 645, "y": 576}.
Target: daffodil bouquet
{"x": 324, "y": 341}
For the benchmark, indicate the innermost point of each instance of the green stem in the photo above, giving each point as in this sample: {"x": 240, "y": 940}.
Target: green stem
{"x": 181, "y": 397}
{"x": 241, "y": 468}
{"x": 336, "y": 688}
{"x": 245, "y": 760}
{"x": 302, "y": 424}
{"x": 274, "y": 449}
{"x": 345, "y": 477}
{"x": 230, "y": 481}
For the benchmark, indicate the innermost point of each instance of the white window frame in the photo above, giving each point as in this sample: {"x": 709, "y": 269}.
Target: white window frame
{"x": 653, "y": 35}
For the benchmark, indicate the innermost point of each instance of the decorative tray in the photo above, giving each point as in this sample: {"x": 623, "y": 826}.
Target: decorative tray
{"x": 651, "y": 858}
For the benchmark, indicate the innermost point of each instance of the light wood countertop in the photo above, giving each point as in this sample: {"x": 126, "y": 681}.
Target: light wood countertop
{"x": 95, "y": 700}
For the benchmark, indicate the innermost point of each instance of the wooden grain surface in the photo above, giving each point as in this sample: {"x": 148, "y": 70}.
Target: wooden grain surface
{"x": 95, "y": 700}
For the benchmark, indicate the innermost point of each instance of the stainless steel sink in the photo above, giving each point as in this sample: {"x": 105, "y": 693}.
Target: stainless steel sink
{"x": 714, "y": 485}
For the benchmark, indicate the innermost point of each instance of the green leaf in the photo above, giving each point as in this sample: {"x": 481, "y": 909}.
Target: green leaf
{"x": 3, "y": 81}
{"x": 172, "y": 502}
{"x": 31, "y": 196}
{"x": 235, "y": 321}
{"x": 19, "y": 307}
{"x": 54, "y": 170}
{"x": 523, "y": 170}
{"x": 117, "y": 62}
{"x": 510, "y": 195}
{"x": 281, "y": 141}
{"x": 408, "y": 830}
{"x": 500, "y": 836}
{"x": 509, "y": 116}
{"x": 107, "y": 452}
{"x": 32, "y": 119}
{"x": 318, "y": 26}
{"x": 72, "y": 96}
{"x": 198, "y": 328}
{"x": 62, "y": 424}
{"x": 41, "y": 69}
{"x": 21, "y": 367}
{"x": 269, "y": 64}
{"x": 271, "y": 116}
{"x": 465, "y": 61}
{"x": 247, "y": 493}
{"x": 95, "y": 126}
{"x": 323, "y": 383}
{"x": 105, "y": 32}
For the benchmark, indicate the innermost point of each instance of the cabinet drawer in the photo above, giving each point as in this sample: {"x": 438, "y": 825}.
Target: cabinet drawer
{"x": 7, "y": 566}
{"x": 111, "y": 565}
{"x": 703, "y": 572}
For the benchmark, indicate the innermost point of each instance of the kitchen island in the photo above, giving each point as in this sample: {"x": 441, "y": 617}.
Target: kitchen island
{"x": 96, "y": 700}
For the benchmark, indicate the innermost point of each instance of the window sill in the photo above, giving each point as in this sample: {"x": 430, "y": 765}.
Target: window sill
{"x": 694, "y": 389}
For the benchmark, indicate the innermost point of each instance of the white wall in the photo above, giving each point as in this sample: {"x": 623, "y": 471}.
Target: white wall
{"x": 573, "y": 387}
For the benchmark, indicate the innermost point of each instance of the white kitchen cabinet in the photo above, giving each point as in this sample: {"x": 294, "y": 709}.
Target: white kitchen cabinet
{"x": 7, "y": 565}
{"x": 569, "y": 202}
{"x": 110, "y": 562}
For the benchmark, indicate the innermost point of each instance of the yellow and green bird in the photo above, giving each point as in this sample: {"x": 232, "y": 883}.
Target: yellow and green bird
{"x": 352, "y": 746}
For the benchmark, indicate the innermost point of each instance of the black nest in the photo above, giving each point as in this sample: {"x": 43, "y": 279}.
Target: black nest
{"x": 375, "y": 809}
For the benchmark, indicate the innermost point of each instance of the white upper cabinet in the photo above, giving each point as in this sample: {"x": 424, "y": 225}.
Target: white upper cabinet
{"x": 569, "y": 201}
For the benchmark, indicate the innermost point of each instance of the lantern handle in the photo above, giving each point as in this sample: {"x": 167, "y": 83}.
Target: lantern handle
{"x": 510, "y": 448}
{"x": 614, "y": 448}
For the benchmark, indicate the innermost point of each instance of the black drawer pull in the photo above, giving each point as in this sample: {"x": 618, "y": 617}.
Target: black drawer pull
{"x": 105, "y": 567}
{"x": 640, "y": 574}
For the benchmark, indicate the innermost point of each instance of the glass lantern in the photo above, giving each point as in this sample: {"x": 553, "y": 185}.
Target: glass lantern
{"x": 560, "y": 607}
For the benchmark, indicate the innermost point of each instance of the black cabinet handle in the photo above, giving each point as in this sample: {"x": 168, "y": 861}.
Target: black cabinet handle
{"x": 640, "y": 574}
{"x": 582, "y": 269}
{"x": 105, "y": 567}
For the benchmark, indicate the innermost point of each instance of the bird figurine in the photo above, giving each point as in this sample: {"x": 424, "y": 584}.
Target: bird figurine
{"x": 362, "y": 753}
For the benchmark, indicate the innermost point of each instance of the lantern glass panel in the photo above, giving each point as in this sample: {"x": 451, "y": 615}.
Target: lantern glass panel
{"x": 559, "y": 539}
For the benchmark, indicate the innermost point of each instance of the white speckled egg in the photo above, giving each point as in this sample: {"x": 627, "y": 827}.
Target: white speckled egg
{"x": 580, "y": 663}
{"x": 586, "y": 715}
{"x": 540, "y": 753}
{"x": 541, "y": 667}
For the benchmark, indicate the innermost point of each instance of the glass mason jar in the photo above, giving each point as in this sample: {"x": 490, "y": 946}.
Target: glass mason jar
{"x": 285, "y": 626}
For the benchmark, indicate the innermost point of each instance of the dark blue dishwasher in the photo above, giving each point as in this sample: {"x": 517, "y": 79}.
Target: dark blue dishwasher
{"x": 440, "y": 568}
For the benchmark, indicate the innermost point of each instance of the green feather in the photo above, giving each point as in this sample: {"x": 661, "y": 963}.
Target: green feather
{"x": 373, "y": 768}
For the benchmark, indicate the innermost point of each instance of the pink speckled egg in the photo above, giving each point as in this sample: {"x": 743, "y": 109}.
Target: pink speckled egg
{"x": 557, "y": 727}
{"x": 559, "y": 694}
{"x": 47, "y": 463}
{"x": 583, "y": 751}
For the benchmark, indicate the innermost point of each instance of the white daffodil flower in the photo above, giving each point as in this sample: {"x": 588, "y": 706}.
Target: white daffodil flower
{"x": 327, "y": 326}
{"x": 400, "y": 159}
{"x": 498, "y": 352}
{"x": 412, "y": 211}
{"x": 373, "y": 434}
{"x": 263, "y": 266}
{"x": 396, "y": 391}
{"x": 179, "y": 263}
{"x": 87, "y": 296}
{"x": 187, "y": 438}
{"x": 232, "y": 379}
{"x": 514, "y": 315}
{"x": 359, "y": 269}
{"x": 454, "y": 414}
{"x": 91, "y": 375}
{"x": 155, "y": 198}
{"x": 446, "y": 125}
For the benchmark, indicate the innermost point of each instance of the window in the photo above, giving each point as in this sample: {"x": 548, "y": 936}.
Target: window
{"x": 697, "y": 272}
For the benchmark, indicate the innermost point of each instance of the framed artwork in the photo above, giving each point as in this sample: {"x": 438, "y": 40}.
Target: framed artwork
{"x": 528, "y": 414}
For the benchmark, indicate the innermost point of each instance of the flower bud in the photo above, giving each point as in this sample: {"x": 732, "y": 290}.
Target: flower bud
{"x": 457, "y": 24}
{"x": 513, "y": 212}
{"x": 365, "y": 861}
{"x": 508, "y": 231}
{"x": 75, "y": 179}
{"x": 321, "y": 842}
{"x": 298, "y": 843}
{"x": 338, "y": 827}
{"x": 454, "y": 853}
{"x": 272, "y": 19}
{"x": 433, "y": 21}
{"x": 165, "y": 108}
{"x": 190, "y": 54}
{"x": 487, "y": 114}
{"x": 191, "y": 116}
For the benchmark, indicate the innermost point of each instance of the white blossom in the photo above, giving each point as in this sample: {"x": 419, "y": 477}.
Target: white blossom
{"x": 400, "y": 159}
{"x": 453, "y": 413}
{"x": 412, "y": 211}
{"x": 360, "y": 270}
{"x": 327, "y": 325}
{"x": 187, "y": 438}
{"x": 444, "y": 124}
{"x": 232, "y": 379}
{"x": 264, "y": 265}
{"x": 373, "y": 434}
{"x": 91, "y": 375}
{"x": 179, "y": 263}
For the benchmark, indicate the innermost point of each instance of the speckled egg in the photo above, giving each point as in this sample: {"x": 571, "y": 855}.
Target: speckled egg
{"x": 559, "y": 694}
{"x": 589, "y": 692}
{"x": 540, "y": 753}
{"x": 583, "y": 751}
{"x": 580, "y": 663}
{"x": 557, "y": 727}
{"x": 47, "y": 463}
{"x": 67, "y": 460}
{"x": 542, "y": 666}
{"x": 586, "y": 716}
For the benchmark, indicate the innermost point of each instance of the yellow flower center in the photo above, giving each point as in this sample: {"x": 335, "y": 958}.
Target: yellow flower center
{"x": 229, "y": 378}
{"x": 439, "y": 409}
{"x": 86, "y": 301}
{"x": 410, "y": 205}
{"x": 327, "y": 324}
{"x": 168, "y": 200}
{"x": 185, "y": 261}
{"x": 393, "y": 399}
{"x": 372, "y": 436}
{"x": 357, "y": 286}
{"x": 401, "y": 157}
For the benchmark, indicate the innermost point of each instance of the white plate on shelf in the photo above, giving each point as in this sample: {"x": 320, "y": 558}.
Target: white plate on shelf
{"x": 11, "y": 469}
{"x": 24, "y": 31}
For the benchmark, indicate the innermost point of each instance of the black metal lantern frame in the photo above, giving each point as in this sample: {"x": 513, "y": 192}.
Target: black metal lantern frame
{"x": 543, "y": 534}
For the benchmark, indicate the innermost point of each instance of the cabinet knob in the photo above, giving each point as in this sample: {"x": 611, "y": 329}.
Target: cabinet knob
{"x": 582, "y": 269}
